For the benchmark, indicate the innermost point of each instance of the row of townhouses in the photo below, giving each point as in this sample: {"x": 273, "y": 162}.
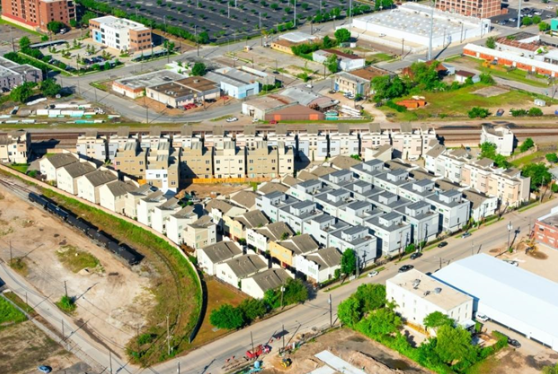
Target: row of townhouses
{"x": 14, "y": 147}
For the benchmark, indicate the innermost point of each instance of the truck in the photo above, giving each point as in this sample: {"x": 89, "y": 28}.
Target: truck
{"x": 257, "y": 351}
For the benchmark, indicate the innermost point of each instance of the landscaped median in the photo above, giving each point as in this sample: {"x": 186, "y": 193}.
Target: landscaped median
{"x": 175, "y": 283}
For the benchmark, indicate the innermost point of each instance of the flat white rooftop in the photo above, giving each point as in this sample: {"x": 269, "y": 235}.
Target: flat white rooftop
{"x": 119, "y": 23}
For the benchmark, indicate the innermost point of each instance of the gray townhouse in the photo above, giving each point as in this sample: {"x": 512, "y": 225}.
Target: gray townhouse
{"x": 454, "y": 210}
{"x": 417, "y": 190}
{"x": 393, "y": 233}
{"x": 392, "y": 180}
{"x": 306, "y": 190}
{"x": 423, "y": 220}
{"x": 333, "y": 200}
{"x": 368, "y": 170}
{"x": 361, "y": 190}
{"x": 388, "y": 201}
{"x": 358, "y": 238}
{"x": 322, "y": 227}
{"x": 357, "y": 212}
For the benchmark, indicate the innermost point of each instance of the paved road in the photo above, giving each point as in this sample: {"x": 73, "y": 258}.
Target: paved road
{"x": 315, "y": 313}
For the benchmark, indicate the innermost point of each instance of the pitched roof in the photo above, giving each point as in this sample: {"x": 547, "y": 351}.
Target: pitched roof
{"x": 62, "y": 159}
{"x": 77, "y": 169}
{"x": 326, "y": 258}
{"x": 300, "y": 244}
{"x": 344, "y": 162}
{"x": 119, "y": 188}
{"x": 218, "y": 204}
{"x": 321, "y": 170}
{"x": 271, "y": 278}
{"x": 222, "y": 251}
{"x": 202, "y": 223}
{"x": 253, "y": 218}
{"x": 100, "y": 177}
{"x": 275, "y": 231}
{"x": 246, "y": 199}
{"x": 246, "y": 265}
{"x": 271, "y": 187}
{"x": 435, "y": 151}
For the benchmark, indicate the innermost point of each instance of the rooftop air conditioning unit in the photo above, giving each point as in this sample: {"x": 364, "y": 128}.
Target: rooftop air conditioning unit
{"x": 426, "y": 293}
{"x": 416, "y": 283}
{"x": 437, "y": 290}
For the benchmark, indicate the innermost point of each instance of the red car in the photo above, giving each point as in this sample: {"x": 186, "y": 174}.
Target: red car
{"x": 273, "y": 122}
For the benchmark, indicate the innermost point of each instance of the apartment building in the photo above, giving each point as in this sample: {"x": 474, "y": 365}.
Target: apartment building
{"x": 344, "y": 142}
{"x": 228, "y": 160}
{"x": 196, "y": 161}
{"x": 13, "y": 74}
{"x": 94, "y": 147}
{"x": 453, "y": 208}
{"x": 201, "y": 233}
{"x": 392, "y": 232}
{"x": 501, "y": 136}
{"x": 120, "y": 33}
{"x": 163, "y": 169}
{"x": 472, "y": 8}
{"x": 14, "y": 147}
{"x": 509, "y": 186}
{"x": 269, "y": 161}
{"x": 412, "y": 144}
{"x": 131, "y": 159}
{"x": 37, "y": 14}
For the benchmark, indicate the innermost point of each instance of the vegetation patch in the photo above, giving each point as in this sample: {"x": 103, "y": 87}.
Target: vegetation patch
{"x": 20, "y": 303}
{"x": 76, "y": 260}
{"x": 19, "y": 265}
{"x": 9, "y": 314}
{"x": 67, "y": 304}
{"x": 175, "y": 287}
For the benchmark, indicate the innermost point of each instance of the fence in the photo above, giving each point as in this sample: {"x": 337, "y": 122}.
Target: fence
{"x": 226, "y": 180}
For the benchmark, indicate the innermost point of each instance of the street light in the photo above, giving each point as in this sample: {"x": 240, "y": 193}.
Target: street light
{"x": 510, "y": 228}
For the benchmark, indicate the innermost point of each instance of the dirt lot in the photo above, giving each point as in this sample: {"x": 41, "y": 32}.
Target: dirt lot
{"x": 113, "y": 299}
{"x": 511, "y": 361}
{"x": 205, "y": 190}
{"x": 162, "y": 108}
{"x": 351, "y": 347}
{"x": 24, "y": 347}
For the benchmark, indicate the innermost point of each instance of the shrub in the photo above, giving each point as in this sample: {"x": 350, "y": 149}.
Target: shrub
{"x": 478, "y": 112}
{"x": 397, "y": 107}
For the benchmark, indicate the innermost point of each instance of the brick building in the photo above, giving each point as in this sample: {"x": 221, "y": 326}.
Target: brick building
{"x": 546, "y": 229}
{"x": 472, "y": 8}
{"x": 37, "y": 14}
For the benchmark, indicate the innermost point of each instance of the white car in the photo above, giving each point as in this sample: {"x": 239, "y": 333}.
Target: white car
{"x": 373, "y": 273}
{"x": 482, "y": 318}
{"x": 309, "y": 85}
{"x": 232, "y": 119}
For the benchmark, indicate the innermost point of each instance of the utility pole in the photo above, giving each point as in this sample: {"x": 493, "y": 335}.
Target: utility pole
{"x": 330, "y": 311}
{"x": 178, "y": 368}
{"x": 11, "y": 253}
{"x": 294, "y": 13}
{"x": 283, "y": 333}
{"x": 282, "y": 292}
{"x": 168, "y": 336}
{"x": 65, "y": 289}
{"x": 356, "y": 265}
{"x": 63, "y": 335}
{"x": 252, "y": 340}
{"x": 519, "y": 15}
{"x": 431, "y": 32}
{"x": 110, "y": 361}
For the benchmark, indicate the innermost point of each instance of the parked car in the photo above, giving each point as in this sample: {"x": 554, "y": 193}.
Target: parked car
{"x": 273, "y": 122}
{"x": 309, "y": 85}
{"x": 405, "y": 268}
{"x": 514, "y": 343}
{"x": 442, "y": 244}
{"x": 482, "y": 318}
{"x": 416, "y": 255}
{"x": 466, "y": 235}
{"x": 373, "y": 273}
{"x": 232, "y": 119}
{"x": 44, "y": 369}
{"x": 511, "y": 262}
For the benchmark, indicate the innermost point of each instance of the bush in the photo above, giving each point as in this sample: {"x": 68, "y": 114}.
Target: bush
{"x": 227, "y": 317}
{"x": 552, "y": 157}
{"x": 67, "y": 304}
{"x": 397, "y": 107}
{"x": 478, "y": 112}
{"x": 535, "y": 112}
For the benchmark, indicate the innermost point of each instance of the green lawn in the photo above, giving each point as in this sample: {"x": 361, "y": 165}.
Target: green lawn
{"x": 22, "y": 168}
{"x": 379, "y": 57}
{"x": 9, "y": 314}
{"x": 528, "y": 159}
{"x": 4, "y": 22}
{"x": 458, "y": 103}
{"x": 76, "y": 260}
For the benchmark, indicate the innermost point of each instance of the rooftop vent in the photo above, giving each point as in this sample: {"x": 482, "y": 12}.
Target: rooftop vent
{"x": 437, "y": 290}
{"x": 416, "y": 283}
{"x": 426, "y": 293}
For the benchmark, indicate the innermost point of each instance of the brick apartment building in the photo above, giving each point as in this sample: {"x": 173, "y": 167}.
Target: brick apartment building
{"x": 37, "y": 14}
{"x": 472, "y": 8}
{"x": 546, "y": 229}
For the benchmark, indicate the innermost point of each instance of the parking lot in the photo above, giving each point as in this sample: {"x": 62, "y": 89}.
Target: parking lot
{"x": 225, "y": 20}
{"x": 527, "y": 11}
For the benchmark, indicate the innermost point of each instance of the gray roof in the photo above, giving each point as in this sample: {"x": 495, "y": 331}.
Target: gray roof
{"x": 271, "y": 187}
{"x": 155, "y": 197}
{"x": 221, "y": 205}
{"x": 251, "y": 219}
{"x": 435, "y": 151}
{"x": 246, "y": 199}
{"x": 77, "y": 169}
{"x": 321, "y": 170}
{"x": 275, "y": 231}
{"x": 304, "y": 175}
{"x": 344, "y": 162}
{"x": 271, "y": 278}
{"x": 119, "y": 188}
{"x": 222, "y": 251}
{"x": 246, "y": 265}
{"x": 170, "y": 204}
{"x": 326, "y": 258}
{"x": 291, "y": 181}
{"x": 187, "y": 211}
{"x": 476, "y": 198}
{"x": 300, "y": 244}
{"x": 202, "y": 223}
{"x": 62, "y": 159}
{"x": 100, "y": 177}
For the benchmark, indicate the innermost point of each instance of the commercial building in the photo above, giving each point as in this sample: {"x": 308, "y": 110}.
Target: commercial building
{"x": 357, "y": 82}
{"x": 134, "y": 87}
{"x": 14, "y": 147}
{"x": 37, "y": 14}
{"x": 501, "y": 136}
{"x": 472, "y": 8}
{"x": 120, "y": 33}
{"x": 294, "y": 113}
{"x": 546, "y": 229}
{"x": 13, "y": 75}
{"x": 261, "y": 106}
{"x": 285, "y": 42}
{"x": 408, "y": 26}
{"x": 236, "y": 82}
{"x": 417, "y": 295}
{"x": 184, "y": 91}
{"x": 508, "y": 295}
{"x": 345, "y": 61}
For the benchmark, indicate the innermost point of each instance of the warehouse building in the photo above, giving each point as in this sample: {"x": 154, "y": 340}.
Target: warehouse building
{"x": 184, "y": 91}
{"x": 508, "y": 295}
{"x": 135, "y": 86}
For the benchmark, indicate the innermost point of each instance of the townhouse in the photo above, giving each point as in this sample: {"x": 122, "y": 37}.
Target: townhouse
{"x": 200, "y": 233}
{"x": 453, "y": 208}
{"x": 176, "y": 222}
{"x": 132, "y": 199}
{"x": 50, "y": 165}
{"x": 94, "y": 147}
{"x": 196, "y": 160}
{"x": 228, "y": 160}
{"x": 412, "y": 144}
{"x": 161, "y": 213}
{"x": 112, "y": 195}
{"x": 146, "y": 205}
{"x": 14, "y": 147}
{"x": 392, "y": 232}
{"x": 258, "y": 238}
{"x": 320, "y": 266}
{"x": 286, "y": 251}
{"x": 212, "y": 255}
{"x": 236, "y": 269}
{"x": 238, "y": 225}
{"x": 89, "y": 185}
{"x": 359, "y": 239}
{"x": 501, "y": 136}
{"x": 423, "y": 220}
{"x": 270, "y": 279}
{"x": 67, "y": 176}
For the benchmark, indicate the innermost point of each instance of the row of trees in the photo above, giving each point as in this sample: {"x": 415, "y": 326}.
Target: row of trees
{"x": 231, "y": 318}
{"x": 451, "y": 350}
{"x": 25, "y": 91}
{"x": 533, "y": 112}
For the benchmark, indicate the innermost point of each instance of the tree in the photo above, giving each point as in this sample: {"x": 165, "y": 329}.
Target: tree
{"x": 453, "y": 344}
{"x": 543, "y": 26}
{"x": 199, "y": 69}
{"x": 535, "y": 112}
{"x": 488, "y": 150}
{"x": 331, "y": 63}
{"x": 24, "y": 43}
{"x": 552, "y": 369}
{"x": 383, "y": 4}
{"x": 490, "y": 42}
{"x": 327, "y": 42}
{"x": 538, "y": 173}
{"x": 478, "y": 112}
{"x": 55, "y": 26}
{"x": 295, "y": 292}
{"x": 526, "y": 21}
{"x": 227, "y": 317}
{"x": 252, "y": 309}
{"x": 372, "y": 296}
{"x": 22, "y": 92}
{"x": 381, "y": 322}
{"x": 349, "y": 311}
{"x": 552, "y": 157}
{"x": 537, "y": 20}
{"x": 348, "y": 262}
{"x": 342, "y": 35}
{"x": 424, "y": 76}
{"x": 203, "y": 37}
{"x": 486, "y": 78}
{"x": 526, "y": 145}
{"x": 437, "y": 319}
{"x": 50, "y": 88}
{"x": 387, "y": 87}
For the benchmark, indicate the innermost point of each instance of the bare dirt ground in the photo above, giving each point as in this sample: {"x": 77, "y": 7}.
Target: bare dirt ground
{"x": 25, "y": 347}
{"x": 162, "y": 108}
{"x": 351, "y": 347}
{"x": 114, "y": 303}
{"x": 205, "y": 190}
{"x": 541, "y": 262}
{"x": 511, "y": 361}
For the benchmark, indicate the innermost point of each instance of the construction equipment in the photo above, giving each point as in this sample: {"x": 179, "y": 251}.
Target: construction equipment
{"x": 286, "y": 362}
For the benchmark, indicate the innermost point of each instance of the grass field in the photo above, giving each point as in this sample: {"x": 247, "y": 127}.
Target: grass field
{"x": 379, "y": 57}
{"x": 533, "y": 157}
{"x": 19, "y": 265}
{"x": 20, "y": 303}
{"x": 457, "y": 103}
{"x": 9, "y": 314}
{"x": 175, "y": 286}
{"x": 22, "y": 168}
{"x": 76, "y": 260}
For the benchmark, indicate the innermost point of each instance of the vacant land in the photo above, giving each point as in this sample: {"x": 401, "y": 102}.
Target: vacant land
{"x": 77, "y": 260}
{"x": 9, "y": 314}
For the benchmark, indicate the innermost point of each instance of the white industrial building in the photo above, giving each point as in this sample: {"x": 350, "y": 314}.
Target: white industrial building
{"x": 417, "y": 295}
{"x": 408, "y": 26}
{"x": 508, "y": 295}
